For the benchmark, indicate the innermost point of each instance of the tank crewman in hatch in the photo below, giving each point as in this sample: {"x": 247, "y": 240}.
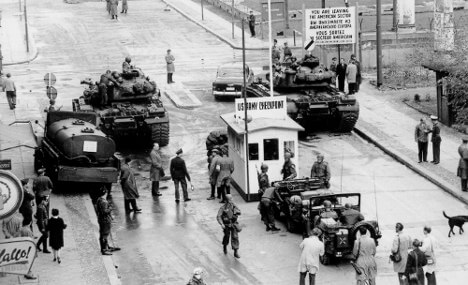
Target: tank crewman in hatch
{"x": 126, "y": 66}
{"x": 266, "y": 207}
{"x": 289, "y": 169}
{"x": 321, "y": 170}
{"x": 351, "y": 216}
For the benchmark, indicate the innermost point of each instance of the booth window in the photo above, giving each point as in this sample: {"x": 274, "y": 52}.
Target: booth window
{"x": 253, "y": 151}
{"x": 270, "y": 149}
{"x": 289, "y": 146}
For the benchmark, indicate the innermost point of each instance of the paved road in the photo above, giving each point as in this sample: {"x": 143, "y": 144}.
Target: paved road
{"x": 164, "y": 243}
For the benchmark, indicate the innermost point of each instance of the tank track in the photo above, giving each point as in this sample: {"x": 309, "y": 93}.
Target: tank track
{"x": 160, "y": 134}
{"x": 347, "y": 121}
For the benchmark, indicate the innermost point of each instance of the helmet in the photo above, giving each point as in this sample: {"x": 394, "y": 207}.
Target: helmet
{"x": 305, "y": 203}
{"x": 128, "y": 59}
{"x": 327, "y": 204}
{"x": 296, "y": 199}
{"x": 264, "y": 167}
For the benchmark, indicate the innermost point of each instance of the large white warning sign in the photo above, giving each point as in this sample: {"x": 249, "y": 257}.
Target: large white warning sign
{"x": 331, "y": 26}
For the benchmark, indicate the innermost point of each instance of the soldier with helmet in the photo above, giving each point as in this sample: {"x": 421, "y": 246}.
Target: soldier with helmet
{"x": 213, "y": 174}
{"x": 126, "y": 66}
{"x": 289, "y": 169}
{"x": 321, "y": 170}
{"x": 263, "y": 180}
{"x": 266, "y": 207}
{"x": 328, "y": 213}
{"x": 103, "y": 212}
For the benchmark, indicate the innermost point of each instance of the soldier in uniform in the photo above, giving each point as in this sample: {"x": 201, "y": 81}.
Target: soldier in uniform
{"x": 225, "y": 167}
{"x": 213, "y": 174}
{"x": 52, "y": 107}
{"x": 126, "y": 66}
{"x": 462, "y": 171}
{"x": 289, "y": 169}
{"x": 263, "y": 180}
{"x": 42, "y": 186}
{"x": 156, "y": 170}
{"x": 266, "y": 207}
{"x": 328, "y": 213}
{"x": 103, "y": 212}
{"x": 435, "y": 139}
{"x": 227, "y": 218}
{"x": 42, "y": 215}
{"x": 350, "y": 216}
{"x": 321, "y": 170}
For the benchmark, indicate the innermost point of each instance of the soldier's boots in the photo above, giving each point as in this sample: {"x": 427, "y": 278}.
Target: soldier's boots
{"x": 236, "y": 254}
{"x": 225, "y": 249}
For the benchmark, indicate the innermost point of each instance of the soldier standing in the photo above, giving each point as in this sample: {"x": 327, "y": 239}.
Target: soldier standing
{"x": 225, "y": 167}
{"x": 179, "y": 172}
{"x": 462, "y": 171}
{"x": 103, "y": 212}
{"x": 156, "y": 170}
{"x": 420, "y": 135}
{"x": 213, "y": 174}
{"x": 42, "y": 186}
{"x": 321, "y": 170}
{"x": 266, "y": 207}
{"x": 227, "y": 218}
{"x": 252, "y": 24}
{"x": 126, "y": 66}
{"x": 170, "y": 66}
{"x": 341, "y": 74}
{"x": 263, "y": 180}
{"x": 435, "y": 139}
{"x": 289, "y": 169}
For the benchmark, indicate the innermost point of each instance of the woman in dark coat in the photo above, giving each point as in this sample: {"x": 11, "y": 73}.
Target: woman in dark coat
{"x": 56, "y": 227}
{"x": 416, "y": 261}
{"x": 26, "y": 208}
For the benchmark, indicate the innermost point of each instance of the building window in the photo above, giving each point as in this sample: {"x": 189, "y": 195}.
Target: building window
{"x": 253, "y": 151}
{"x": 270, "y": 149}
{"x": 289, "y": 146}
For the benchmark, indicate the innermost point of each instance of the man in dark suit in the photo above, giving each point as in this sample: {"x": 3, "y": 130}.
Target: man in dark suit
{"x": 462, "y": 170}
{"x": 178, "y": 173}
{"x": 341, "y": 74}
{"x": 435, "y": 139}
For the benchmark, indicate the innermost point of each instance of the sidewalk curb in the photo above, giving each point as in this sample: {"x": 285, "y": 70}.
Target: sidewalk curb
{"x": 227, "y": 41}
{"x": 35, "y": 52}
{"x": 175, "y": 99}
{"x": 434, "y": 178}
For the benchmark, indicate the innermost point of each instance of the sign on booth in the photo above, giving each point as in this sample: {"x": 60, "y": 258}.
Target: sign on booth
{"x": 331, "y": 26}
{"x": 264, "y": 107}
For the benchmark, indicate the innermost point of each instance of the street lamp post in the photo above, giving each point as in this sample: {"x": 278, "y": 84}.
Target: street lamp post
{"x": 244, "y": 93}
{"x": 232, "y": 18}
{"x": 201, "y": 2}
{"x": 26, "y": 26}
{"x": 270, "y": 48}
{"x": 379, "y": 43}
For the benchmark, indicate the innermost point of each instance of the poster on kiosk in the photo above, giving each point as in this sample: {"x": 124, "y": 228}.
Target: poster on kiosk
{"x": 270, "y": 134}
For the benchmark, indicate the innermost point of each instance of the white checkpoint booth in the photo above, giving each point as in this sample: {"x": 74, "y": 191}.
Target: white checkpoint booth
{"x": 270, "y": 132}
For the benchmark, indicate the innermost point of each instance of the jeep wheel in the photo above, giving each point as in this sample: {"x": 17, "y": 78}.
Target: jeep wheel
{"x": 325, "y": 259}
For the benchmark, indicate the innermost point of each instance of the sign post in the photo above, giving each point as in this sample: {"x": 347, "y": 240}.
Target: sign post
{"x": 11, "y": 194}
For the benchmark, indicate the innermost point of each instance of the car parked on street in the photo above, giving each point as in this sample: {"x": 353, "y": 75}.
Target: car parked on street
{"x": 230, "y": 79}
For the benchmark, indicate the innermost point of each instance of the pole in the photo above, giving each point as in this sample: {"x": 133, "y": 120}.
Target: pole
{"x": 270, "y": 48}
{"x": 232, "y": 18}
{"x": 286, "y": 14}
{"x": 26, "y": 26}
{"x": 247, "y": 176}
{"x": 202, "y": 10}
{"x": 323, "y": 3}
{"x": 19, "y": 3}
{"x": 379, "y": 43}
{"x": 356, "y": 22}
{"x": 395, "y": 14}
{"x": 339, "y": 53}
{"x": 303, "y": 29}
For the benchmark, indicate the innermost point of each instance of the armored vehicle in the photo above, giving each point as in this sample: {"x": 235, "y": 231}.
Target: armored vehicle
{"x": 312, "y": 100}
{"x": 73, "y": 149}
{"x": 128, "y": 106}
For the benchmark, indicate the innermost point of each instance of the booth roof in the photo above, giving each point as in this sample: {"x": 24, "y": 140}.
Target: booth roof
{"x": 258, "y": 124}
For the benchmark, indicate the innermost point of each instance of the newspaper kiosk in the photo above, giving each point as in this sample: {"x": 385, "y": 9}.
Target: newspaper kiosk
{"x": 270, "y": 132}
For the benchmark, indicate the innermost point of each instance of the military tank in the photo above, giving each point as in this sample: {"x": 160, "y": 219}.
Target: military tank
{"x": 128, "y": 106}
{"x": 311, "y": 99}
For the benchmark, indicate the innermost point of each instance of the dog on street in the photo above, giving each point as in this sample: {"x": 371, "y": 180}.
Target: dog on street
{"x": 456, "y": 221}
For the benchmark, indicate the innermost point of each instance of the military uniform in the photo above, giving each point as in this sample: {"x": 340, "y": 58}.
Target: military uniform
{"x": 263, "y": 183}
{"x": 103, "y": 211}
{"x": 462, "y": 170}
{"x": 289, "y": 170}
{"x": 351, "y": 217}
{"x": 227, "y": 216}
{"x": 322, "y": 171}
{"x": 436, "y": 139}
{"x": 213, "y": 174}
{"x": 266, "y": 207}
{"x": 42, "y": 186}
{"x": 225, "y": 165}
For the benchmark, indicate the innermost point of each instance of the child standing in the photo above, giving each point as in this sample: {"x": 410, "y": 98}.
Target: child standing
{"x": 56, "y": 227}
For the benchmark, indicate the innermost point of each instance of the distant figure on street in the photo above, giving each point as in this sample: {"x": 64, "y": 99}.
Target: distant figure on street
{"x": 421, "y": 137}
{"x": 42, "y": 216}
{"x": 156, "y": 170}
{"x": 435, "y": 139}
{"x": 358, "y": 73}
{"x": 401, "y": 244}
{"x": 263, "y": 180}
{"x": 287, "y": 53}
{"x": 332, "y": 68}
{"x": 103, "y": 213}
{"x": 429, "y": 247}
{"x": 414, "y": 265}
{"x": 350, "y": 216}
{"x": 10, "y": 88}
{"x": 108, "y": 6}
{"x": 114, "y": 9}
{"x": 26, "y": 208}
{"x": 462, "y": 170}
{"x": 124, "y": 6}
{"x": 129, "y": 187}
{"x": 52, "y": 107}
{"x": 269, "y": 197}
{"x": 321, "y": 170}
{"x": 213, "y": 174}
{"x": 252, "y": 24}
{"x": 351, "y": 75}
{"x": 364, "y": 250}
{"x": 170, "y": 66}
{"x": 341, "y": 74}
{"x": 42, "y": 186}
{"x": 225, "y": 168}
{"x": 227, "y": 218}
{"x": 312, "y": 249}
{"x": 289, "y": 169}
{"x": 197, "y": 277}
{"x": 178, "y": 173}
{"x": 56, "y": 225}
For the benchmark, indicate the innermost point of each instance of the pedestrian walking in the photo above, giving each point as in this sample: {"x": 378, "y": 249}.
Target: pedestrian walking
{"x": 429, "y": 246}
{"x": 364, "y": 250}
{"x": 321, "y": 170}
{"x": 42, "y": 216}
{"x": 421, "y": 137}
{"x": 156, "y": 170}
{"x": 462, "y": 170}
{"x": 252, "y": 24}
{"x": 227, "y": 218}
{"x": 213, "y": 174}
{"x": 289, "y": 168}
{"x": 129, "y": 187}
{"x": 341, "y": 74}
{"x": 435, "y": 139}
{"x": 170, "y": 66}
{"x": 103, "y": 213}
{"x": 26, "y": 208}
{"x": 400, "y": 247}
{"x": 312, "y": 248}
{"x": 351, "y": 75}
{"x": 179, "y": 173}
{"x": 269, "y": 198}
{"x": 9, "y": 86}
{"x": 358, "y": 72}
{"x": 56, "y": 225}
{"x": 108, "y": 6}
{"x": 114, "y": 9}
{"x": 197, "y": 277}
{"x": 414, "y": 272}
{"x": 224, "y": 167}
{"x": 42, "y": 186}
{"x": 124, "y": 6}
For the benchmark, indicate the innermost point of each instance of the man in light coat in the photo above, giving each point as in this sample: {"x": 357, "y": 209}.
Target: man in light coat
{"x": 351, "y": 75}
{"x": 401, "y": 243}
{"x": 155, "y": 170}
{"x": 364, "y": 250}
{"x": 10, "y": 88}
{"x": 462, "y": 170}
{"x": 114, "y": 8}
{"x": 129, "y": 187}
{"x": 312, "y": 249}
{"x": 429, "y": 246}
{"x": 225, "y": 167}
{"x": 170, "y": 66}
